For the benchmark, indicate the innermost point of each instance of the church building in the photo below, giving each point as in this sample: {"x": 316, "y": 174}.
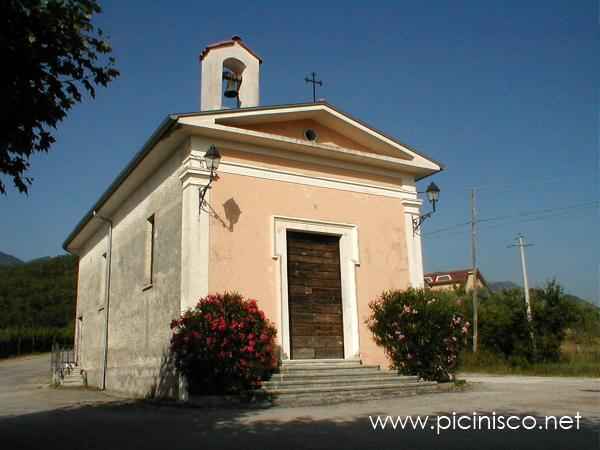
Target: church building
{"x": 302, "y": 207}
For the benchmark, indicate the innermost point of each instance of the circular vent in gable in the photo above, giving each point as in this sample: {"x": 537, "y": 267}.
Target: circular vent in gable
{"x": 311, "y": 135}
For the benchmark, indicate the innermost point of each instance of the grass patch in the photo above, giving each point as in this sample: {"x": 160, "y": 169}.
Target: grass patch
{"x": 585, "y": 364}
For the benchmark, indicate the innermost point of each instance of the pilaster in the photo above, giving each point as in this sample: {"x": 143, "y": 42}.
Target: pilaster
{"x": 412, "y": 210}
{"x": 194, "y": 231}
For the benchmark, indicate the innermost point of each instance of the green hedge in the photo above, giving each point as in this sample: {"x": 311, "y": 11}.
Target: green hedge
{"x": 22, "y": 341}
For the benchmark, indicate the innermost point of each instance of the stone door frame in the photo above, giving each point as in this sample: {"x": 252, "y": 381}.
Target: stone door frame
{"x": 349, "y": 260}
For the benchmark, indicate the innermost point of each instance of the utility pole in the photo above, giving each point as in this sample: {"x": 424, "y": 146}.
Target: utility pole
{"x": 474, "y": 264}
{"x": 521, "y": 244}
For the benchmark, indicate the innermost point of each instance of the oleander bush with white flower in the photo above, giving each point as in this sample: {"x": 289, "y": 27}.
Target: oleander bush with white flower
{"x": 422, "y": 331}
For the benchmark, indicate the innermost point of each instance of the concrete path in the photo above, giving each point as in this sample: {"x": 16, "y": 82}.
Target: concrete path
{"x": 24, "y": 388}
{"x": 33, "y": 417}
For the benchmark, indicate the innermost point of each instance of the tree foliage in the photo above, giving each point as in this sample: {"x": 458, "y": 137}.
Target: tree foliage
{"x": 553, "y": 314}
{"x": 37, "y": 305}
{"x": 53, "y": 55}
{"x": 505, "y": 331}
{"x": 39, "y": 293}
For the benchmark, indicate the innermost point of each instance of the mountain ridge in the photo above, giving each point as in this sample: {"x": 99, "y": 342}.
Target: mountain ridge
{"x": 9, "y": 260}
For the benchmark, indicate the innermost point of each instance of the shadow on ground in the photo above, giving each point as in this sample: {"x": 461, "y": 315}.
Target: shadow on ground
{"x": 129, "y": 425}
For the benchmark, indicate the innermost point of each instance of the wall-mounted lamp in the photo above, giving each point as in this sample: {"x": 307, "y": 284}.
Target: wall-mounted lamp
{"x": 433, "y": 195}
{"x": 212, "y": 159}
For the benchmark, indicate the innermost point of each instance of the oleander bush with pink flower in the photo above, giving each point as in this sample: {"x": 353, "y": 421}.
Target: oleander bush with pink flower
{"x": 223, "y": 345}
{"x": 422, "y": 331}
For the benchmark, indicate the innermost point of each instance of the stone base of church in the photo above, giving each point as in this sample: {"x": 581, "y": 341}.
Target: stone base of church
{"x": 137, "y": 381}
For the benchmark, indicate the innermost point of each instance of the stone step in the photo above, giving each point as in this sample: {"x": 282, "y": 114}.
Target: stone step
{"x": 328, "y": 372}
{"x": 395, "y": 384}
{"x": 317, "y": 382}
{"x": 72, "y": 383}
{"x": 320, "y": 364}
{"x": 310, "y": 362}
{"x": 302, "y": 397}
{"x": 73, "y": 378}
{"x": 376, "y": 379}
{"x": 331, "y": 375}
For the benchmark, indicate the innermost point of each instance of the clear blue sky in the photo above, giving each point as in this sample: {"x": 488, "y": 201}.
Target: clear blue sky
{"x": 504, "y": 93}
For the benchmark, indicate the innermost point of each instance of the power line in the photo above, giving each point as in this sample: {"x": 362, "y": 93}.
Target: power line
{"x": 451, "y": 227}
{"x": 541, "y": 211}
{"x": 536, "y": 219}
{"x": 492, "y": 226}
{"x": 512, "y": 216}
{"x": 514, "y": 186}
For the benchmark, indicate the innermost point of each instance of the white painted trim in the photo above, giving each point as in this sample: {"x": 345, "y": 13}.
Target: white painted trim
{"x": 349, "y": 260}
{"x": 195, "y": 228}
{"x": 327, "y": 151}
{"x": 311, "y": 180}
{"x": 418, "y": 160}
{"x": 407, "y": 179}
{"x": 416, "y": 157}
{"x": 414, "y": 253}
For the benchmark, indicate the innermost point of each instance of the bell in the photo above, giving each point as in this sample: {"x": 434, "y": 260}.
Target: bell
{"x": 233, "y": 87}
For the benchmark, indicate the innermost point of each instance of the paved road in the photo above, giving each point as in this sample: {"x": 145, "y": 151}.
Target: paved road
{"x": 33, "y": 416}
{"x": 24, "y": 388}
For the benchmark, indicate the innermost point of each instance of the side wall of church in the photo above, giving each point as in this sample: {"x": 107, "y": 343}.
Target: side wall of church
{"x": 139, "y": 312}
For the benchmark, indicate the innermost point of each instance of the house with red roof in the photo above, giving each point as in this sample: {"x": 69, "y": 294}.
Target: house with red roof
{"x": 455, "y": 279}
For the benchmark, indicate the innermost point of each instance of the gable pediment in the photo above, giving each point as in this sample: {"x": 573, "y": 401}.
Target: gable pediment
{"x": 297, "y": 129}
{"x": 339, "y": 135}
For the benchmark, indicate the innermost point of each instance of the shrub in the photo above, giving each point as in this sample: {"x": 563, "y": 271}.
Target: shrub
{"x": 421, "y": 331}
{"x": 223, "y": 345}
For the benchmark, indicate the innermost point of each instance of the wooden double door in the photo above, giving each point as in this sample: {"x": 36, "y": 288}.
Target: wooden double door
{"x": 314, "y": 296}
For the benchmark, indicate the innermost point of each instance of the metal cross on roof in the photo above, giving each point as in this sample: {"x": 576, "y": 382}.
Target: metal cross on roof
{"x": 314, "y": 82}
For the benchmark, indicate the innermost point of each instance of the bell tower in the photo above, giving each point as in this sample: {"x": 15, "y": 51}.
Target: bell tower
{"x": 229, "y": 70}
